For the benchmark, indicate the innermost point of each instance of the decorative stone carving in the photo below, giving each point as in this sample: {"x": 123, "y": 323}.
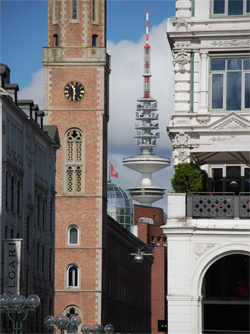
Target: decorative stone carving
{"x": 181, "y": 139}
{"x": 220, "y": 138}
{"x": 202, "y": 119}
{"x": 182, "y": 25}
{"x": 232, "y": 123}
{"x": 200, "y": 249}
{"x": 233, "y": 42}
{"x": 180, "y": 156}
{"x": 181, "y": 45}
{"x": 181, "y": 58}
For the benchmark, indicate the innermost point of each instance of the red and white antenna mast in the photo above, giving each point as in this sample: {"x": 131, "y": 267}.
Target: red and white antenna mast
{"x": 146, "y": 73}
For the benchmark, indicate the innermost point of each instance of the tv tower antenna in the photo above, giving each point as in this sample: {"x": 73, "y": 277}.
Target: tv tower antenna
{"x": 146, "y": 163}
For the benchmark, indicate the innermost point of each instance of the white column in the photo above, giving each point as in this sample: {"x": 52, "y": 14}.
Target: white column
{"x": 203, "y": 108}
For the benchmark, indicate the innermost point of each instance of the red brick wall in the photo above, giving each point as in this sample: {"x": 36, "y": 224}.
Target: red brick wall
{"x": 148, "y": 212}
{"x": 153, "y": 233}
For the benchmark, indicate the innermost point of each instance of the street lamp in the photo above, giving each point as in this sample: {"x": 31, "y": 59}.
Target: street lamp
{"x": 139, "y": 256}
{"x": 62, "y": 322}
{"x": 98, "y": 329}
{"x": 20, "y": 306}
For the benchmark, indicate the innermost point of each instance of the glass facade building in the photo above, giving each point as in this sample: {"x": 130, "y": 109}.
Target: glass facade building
{"x": 120, "y": 206}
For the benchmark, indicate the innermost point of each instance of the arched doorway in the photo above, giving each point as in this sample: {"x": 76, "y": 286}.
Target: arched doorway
{"x": 225, "y": 291}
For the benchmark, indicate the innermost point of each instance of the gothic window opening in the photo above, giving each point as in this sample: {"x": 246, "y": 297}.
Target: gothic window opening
{"x": 74, "y": 161}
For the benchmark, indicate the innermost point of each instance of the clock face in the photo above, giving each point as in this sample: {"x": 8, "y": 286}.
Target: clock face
{"x": 74, "y": 91}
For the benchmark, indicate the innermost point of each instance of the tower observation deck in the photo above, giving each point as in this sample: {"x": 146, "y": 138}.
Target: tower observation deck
{"x": 146, "y": 162}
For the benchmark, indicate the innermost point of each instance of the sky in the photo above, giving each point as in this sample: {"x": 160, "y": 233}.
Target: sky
{"x": 23, "y": 34}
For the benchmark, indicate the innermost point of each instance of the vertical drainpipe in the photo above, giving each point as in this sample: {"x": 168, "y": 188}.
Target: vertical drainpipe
{"x": 191, "y": 89}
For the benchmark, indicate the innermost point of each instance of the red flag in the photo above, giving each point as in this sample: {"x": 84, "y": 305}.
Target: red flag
{"x": 113, "y": 171}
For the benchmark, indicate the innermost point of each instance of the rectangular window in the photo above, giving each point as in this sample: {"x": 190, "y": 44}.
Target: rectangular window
{"x": 6, "y": 232}
{"x": 74, "y": 10}
{"x": 51, "y": 217}
{"x": 28, "y": 233}
{"x": 230, "y": 83}
{"x": 230, "y": 7}
{"x": 7, "y": 190}
{"x": 19, "y": 197}
{"x": 38, "y": 210}
{"x": 37, "y": 256}
{"x": 42, "y": 258}
{"x": 12, "y": 195}
{"x": 55, "y": 10}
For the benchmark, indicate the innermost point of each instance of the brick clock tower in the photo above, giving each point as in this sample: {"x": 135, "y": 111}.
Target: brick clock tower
{"x": 76, "y": 100}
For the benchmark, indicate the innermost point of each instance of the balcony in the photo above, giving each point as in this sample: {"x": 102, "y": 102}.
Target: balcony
{"x": 182, "y": 207}
{"x": 218, "y": 205}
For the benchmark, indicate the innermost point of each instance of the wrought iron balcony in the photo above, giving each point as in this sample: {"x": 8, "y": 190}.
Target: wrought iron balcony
{"x": 218, "y": 205}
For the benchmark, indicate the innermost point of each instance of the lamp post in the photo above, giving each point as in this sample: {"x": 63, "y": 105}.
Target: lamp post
{"x": 139, "y": 256}
{"x": 18, "y": 305}
{"x": 63, "y": 322}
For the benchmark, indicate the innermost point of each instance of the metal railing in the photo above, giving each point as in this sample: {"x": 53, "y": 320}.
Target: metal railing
{"x": 218, "y": 205}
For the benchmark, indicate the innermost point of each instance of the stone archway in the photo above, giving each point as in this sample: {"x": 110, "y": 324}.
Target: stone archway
{"x": 225, "y": 290}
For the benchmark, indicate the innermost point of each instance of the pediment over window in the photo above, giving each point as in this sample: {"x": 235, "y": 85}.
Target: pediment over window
{"x": 231, "y": 121}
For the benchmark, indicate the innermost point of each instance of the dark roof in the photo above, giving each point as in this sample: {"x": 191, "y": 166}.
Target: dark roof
{"x": 52, "y": 132}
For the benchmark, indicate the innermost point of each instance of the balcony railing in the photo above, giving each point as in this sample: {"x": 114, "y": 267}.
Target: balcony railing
{"x": 218, "y": 205}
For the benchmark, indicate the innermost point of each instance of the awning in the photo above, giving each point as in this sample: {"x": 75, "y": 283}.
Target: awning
{"x": 235, "y": 150}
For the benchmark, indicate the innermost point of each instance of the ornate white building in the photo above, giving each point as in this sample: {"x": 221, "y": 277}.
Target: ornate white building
{"x": 27, "y": 178}
{"x": 208, "y": 235}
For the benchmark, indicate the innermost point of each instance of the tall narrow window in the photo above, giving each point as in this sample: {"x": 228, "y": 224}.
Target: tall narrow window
{"x": 28, "y": 233}
{"x": 7, "y": 190}
{"x": 55, "y": 10}
{"x": 74, "y": 9}
{"x": 18, "y": 197}
{"x": 94, "y": 40}
{"x": 37, "y": 256}
{"x": 73, "y": 235}
{"x": 74, "y": 161}
{"x": 12, "y": 197}
{"x": 55, "y": 40}
{"x": 38, "y": 210}
{"x": 94, "y": 10}
{"x": 73, "y": 276}
{"x": 43, "y": 258}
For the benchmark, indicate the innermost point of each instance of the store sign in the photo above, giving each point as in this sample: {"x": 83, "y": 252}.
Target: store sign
{"x": 12, "y": 264}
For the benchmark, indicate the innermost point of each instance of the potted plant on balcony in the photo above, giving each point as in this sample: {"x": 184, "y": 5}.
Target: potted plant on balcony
{"x": 189, "y": 178}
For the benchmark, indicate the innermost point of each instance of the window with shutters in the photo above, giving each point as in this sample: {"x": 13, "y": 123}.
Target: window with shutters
{"x": 74, "y": 162}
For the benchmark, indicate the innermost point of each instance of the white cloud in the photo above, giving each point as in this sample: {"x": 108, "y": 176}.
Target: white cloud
{"x": 126, "y": 85}
{"x": 35, "y": 91}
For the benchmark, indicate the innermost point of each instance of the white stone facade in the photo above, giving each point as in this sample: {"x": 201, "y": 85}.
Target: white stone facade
{"x": 196, "y": 37}
{"x": 201, "y": 36}
{"x": 27, "y": 176}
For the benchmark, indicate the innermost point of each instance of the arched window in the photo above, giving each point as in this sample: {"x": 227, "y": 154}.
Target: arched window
{"x": 94, "y": 40}
{"x": 74, "y": 161}
{"x": 73, "y": 235}
{"x": 73, "y": 273}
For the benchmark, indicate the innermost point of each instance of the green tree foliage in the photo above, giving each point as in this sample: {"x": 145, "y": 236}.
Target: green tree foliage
{"x": 188, "y": 177}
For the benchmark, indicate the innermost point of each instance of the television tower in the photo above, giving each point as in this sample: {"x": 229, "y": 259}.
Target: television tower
{"x": 146, "y": 162}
